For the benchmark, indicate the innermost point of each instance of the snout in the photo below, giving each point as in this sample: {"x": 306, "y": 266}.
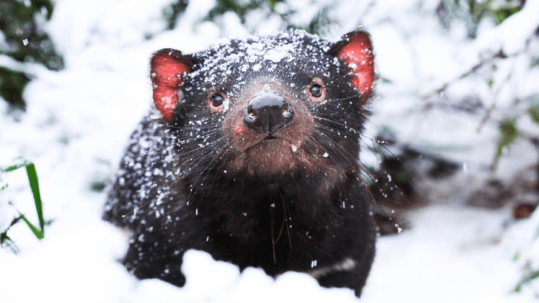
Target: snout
{"x": 267, "y": 113}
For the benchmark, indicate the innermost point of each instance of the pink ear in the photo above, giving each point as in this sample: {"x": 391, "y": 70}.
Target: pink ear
{"x": 167, "y": 67}
{"x": 355, "y": 51}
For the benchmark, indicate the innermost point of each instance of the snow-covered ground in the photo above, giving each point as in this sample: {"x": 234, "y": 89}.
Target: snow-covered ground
{"x": 79, "y": 119}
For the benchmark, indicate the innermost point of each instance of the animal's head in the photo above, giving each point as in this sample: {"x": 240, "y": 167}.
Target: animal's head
{"x": 267, "y": 106}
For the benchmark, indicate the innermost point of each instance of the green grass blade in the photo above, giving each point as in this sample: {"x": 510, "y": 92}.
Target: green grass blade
{"x": 529, "y": 277}
{"x": 39, "y": 234}
{"x": 34, "y": 185}
{"x": 4, "y": 237}
{"x": 7, "y": 242}
{"x": 13, "y": 167}
{"x": 534, "y": 113}
{"x": 508, "y": 135}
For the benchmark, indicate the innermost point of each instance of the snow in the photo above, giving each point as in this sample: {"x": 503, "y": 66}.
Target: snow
{"x": 79, "y": 120}
{"x": 456, "y": 266}
{"x": 512, "y": 35}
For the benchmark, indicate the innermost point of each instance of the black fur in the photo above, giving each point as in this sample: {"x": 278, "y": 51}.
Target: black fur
{"x": 173, "y": 191}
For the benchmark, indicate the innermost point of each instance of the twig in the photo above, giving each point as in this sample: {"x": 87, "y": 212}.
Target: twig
{"x": 472, "y": 70}
{"x": 494, "y": 101}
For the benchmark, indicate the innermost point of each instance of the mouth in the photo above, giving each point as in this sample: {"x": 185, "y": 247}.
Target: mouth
{"x": 268, "y": 155}
{"x": 273, "y": 143}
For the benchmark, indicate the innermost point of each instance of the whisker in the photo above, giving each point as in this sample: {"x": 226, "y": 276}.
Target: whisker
{"x": 335, "y": 122}
{"x": 330, "y": 101}
{"x": 285, "y": 208}
{"x": 346, "y": 155}
{"x": 272, "y": 215}
{"x": 210, "y": 166}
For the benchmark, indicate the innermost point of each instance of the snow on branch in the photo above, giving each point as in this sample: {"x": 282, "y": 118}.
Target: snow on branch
{"x": 508, "y": 39}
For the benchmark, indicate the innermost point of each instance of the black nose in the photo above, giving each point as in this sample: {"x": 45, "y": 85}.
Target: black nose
{"x": 266, "y": 113}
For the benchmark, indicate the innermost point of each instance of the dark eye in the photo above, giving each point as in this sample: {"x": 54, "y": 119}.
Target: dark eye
{"x": 316, "y": 91}
{"x": 217, "y": 100}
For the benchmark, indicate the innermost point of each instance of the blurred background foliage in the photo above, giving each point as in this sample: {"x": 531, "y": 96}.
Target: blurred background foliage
{"x": 473, "y": 11}
{"x": 23, "y": 39}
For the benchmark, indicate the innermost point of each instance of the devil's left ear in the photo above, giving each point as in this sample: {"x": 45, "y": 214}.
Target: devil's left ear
{"x": 355, "y": 52}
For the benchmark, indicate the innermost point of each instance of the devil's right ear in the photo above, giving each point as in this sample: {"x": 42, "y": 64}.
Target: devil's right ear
{"x": 167, "y": 69}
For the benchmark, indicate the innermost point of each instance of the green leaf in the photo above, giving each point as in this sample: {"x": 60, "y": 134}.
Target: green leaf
{"x": 532, "y": 275}
{"x": 34, "y": 185}
{"x": 7, "y": 242}
{"x": 272, "y": 4}
{"x": 12, "y": 84}
{"x": 98, "y": 186}
{"x": 508, "y": 134}
{"x": 13, "y": 167}
{"x": 4, "y": 237}
{"x": 535, "y": 275}
{"x": 39, "y": 234}
{"x": 534, "y": 113}
{"x": 173, "y": 11}
{"x": 22, "y": 28}
{"x": 502, "y": 13}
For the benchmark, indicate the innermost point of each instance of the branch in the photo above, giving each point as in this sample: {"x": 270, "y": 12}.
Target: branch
{"x": 443, "y": 87}
{"x": 494, "y": 101}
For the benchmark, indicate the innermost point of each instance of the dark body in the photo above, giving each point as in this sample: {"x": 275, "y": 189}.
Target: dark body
{"x": 283, "y": 193}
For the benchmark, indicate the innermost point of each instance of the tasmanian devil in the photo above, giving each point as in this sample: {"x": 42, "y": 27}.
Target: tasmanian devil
{"x": 252, "y": 155}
